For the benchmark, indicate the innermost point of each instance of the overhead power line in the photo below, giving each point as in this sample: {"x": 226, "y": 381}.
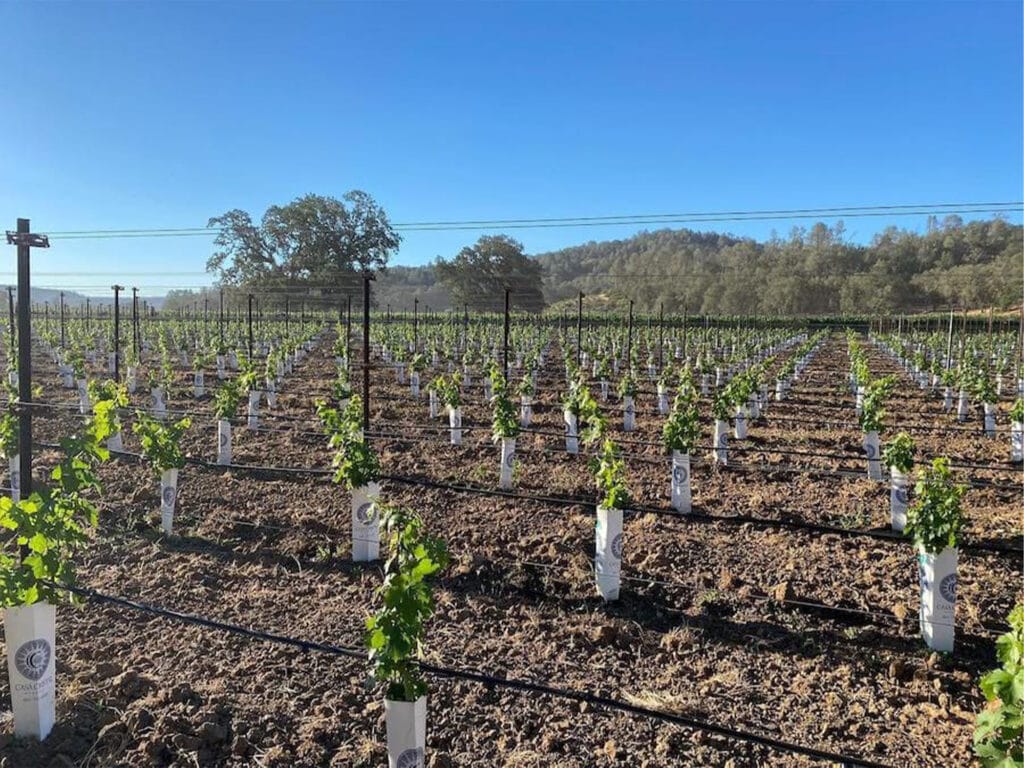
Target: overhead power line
{"x": 598, "y": 221}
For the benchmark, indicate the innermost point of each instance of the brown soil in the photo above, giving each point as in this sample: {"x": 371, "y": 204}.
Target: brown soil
{"x": 703, "y": 627}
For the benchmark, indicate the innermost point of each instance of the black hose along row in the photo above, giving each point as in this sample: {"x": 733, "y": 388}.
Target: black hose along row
{"x": 521, "y": 685}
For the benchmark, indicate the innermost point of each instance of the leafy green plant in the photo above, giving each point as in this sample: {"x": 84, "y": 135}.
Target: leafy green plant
{"x": 161, "y": 443}
{"x": 580, "y": 403}
{"x": 9, "y": 423}
{"x": 247, "y": 378}
{"x": 899, "y": 452}
{"x": 227, "y": 398}
{"x": 935, "y": 519}
{"x": 610, "y": 477}
{"x": 682, "y": 428}
{"x": 721, "y": 405}
{"x": 628, "y": 386}
{"x": 873, "y": 410}
{"x": 1017, "y": 411}
{"x": 355, "y": 462}
{"x": 341, "y": 388}
{"x": 525, "y": 388}
{"x": 999, "y": 734}
{"x": 395, "y": 632}
{"x": 506, "y": 421}
{"x": 448, "y": 389}
{"x": 52, "y": 522}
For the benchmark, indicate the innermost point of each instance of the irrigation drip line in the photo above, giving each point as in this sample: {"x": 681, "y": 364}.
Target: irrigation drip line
{"x": 565, "y": 501}
{"x": 440, "y": 429}
{"x": 816, "y": 528}
{"x": 488, "y": 680}
{"x": 834, "y": 610}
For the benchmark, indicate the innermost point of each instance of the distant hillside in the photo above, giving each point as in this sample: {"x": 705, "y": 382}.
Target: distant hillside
{"x": 812, "y": 271}
{"x": 75, "y": 299}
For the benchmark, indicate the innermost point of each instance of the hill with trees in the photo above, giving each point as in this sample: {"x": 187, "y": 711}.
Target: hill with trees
{"x": 813, "y": 271}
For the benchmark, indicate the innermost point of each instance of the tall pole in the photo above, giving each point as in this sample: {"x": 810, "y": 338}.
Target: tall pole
{"x": 629, "y": 338}
{"x": 661, "y": 335}
{"x": 949, "y": 343}
{"x": 24, "y": 239}
{"x": 505, "y": 358}
{"x": 135, "y": 322}
{"x": 220, "y": 321}
{"x": 685, "y": 352}
{"x": 348, "y": 327}
{"x": 249, "y": 315}
{"x": 366, "y": 352}
{"x": 579, "y": 329}
{"x": 117, "y": 331}
{"x": 62, "y": 319}
{"x": 415, "y": 324}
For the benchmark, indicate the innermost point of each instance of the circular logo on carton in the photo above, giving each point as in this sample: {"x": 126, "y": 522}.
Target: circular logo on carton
{"x": 15, "y": 480}
{"x": 947, "y": 588}
{"x": 629, "y": 409}
{"x": 32, "y": 659}
{"x": 869, "y": 450}
{"x": 410, "y": 758}
{"x": 680, "y": 475}
{"x": 510, "y": 459}
{"x": 617, "y": 547}
{"x": 900, "y": 495}
{"x": 223, "y": 439}
{"x": 168, "y": 496}
{"x": 723, "y": 440}
{"x": 366, "y": 513}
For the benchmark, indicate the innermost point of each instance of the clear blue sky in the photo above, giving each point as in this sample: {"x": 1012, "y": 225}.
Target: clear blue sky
{"x": 127, "y": 115}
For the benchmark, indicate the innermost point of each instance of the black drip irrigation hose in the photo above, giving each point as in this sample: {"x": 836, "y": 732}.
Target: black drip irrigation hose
{"x": 440, "y": 429}
{"x": 565, "y": 501}
{"x": 488, "y": 680}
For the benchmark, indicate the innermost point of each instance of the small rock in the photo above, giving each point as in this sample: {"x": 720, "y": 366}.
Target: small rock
{"x": 899, "y": 611}
{"x": 605, "y": 633}
{"x": 186, "y": 742}
{"x": 726, "y": 580}
{"x": 212, "y": 733}
{"x": 107, "y": 669}
{"x": 130, "y": 684}
{"x": 240, "y": 747}
{"x": 898, "y": 670}
{"x": 140, "y": 720}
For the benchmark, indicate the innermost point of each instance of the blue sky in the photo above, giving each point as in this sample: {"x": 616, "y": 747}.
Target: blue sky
{"x": 128, "y": 115}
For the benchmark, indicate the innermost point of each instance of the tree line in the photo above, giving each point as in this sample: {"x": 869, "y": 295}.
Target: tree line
{"x": 323, "y": 246}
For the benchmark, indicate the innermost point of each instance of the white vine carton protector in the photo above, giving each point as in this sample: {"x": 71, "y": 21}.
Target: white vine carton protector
{"x": 365, "y": 523}
{"x": 406, "y": 725}
{"x": 168, "y": 497}
{"x": 608, "y": 552}
{"x": 681, "y": 494}
{"x": 937, "y": 575}
{"x": 31, "y": 668}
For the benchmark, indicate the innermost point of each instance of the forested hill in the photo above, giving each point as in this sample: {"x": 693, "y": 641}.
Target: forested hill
{"x": 813, "y": 271}
{"x": 817, "y": 271}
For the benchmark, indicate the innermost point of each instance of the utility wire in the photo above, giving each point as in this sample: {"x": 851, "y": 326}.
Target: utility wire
{"x": 589, "y": 221}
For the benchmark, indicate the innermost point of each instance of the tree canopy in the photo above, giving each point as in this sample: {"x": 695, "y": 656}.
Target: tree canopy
{"x": 314, "y": 242}
{"x": 479, "y": 275}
